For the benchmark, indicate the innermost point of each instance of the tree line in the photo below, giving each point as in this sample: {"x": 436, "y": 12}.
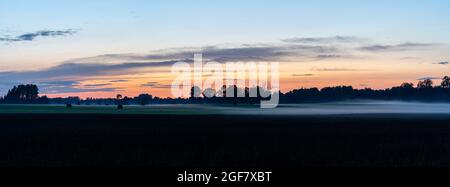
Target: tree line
{"x": 424, "y": 91}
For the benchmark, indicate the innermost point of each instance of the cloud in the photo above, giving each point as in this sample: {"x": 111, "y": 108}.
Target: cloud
{"x": 119, "y": 81}
{"x": 32, "y": 36}
{"x": 156, "y": 85}
{"x": 398, "y": 47}
{"x": 69, "y": 70}
{"x": 336, "y": 69}
{"x": 61, "y": 87}
{"x": 327, "y": 56}
{"x": 97, "y": 85}
{"x": 321, "y": 40}
{"x": 240, "y": 53}
{"x": 149, "y": 84}
{"x": 66, "y": 73}
{"x": 262, "y": 52}
{"x": 302, "y": 75}
{"x": 224, "y": 54}
{"x": 61, "y": 83}
{"x": 430, "y": 78}
{"x": 441, "y": 63}
{"x": 68, "y": 89}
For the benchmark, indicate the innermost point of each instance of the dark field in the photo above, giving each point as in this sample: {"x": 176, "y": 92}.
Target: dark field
{"x": 223, "y": 141}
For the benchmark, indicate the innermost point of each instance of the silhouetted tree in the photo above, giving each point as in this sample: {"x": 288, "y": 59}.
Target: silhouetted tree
{"x": 425, "y": 84}
{"x": 406, "y": 92}
{"x": 445, "y": 82}
{"x": 23, "y": 94}
{"x": 119, "y": 101}
{"x": 43, "y": 100}
{"x": 407, "y": 85}
{"x": 144, "y": 99}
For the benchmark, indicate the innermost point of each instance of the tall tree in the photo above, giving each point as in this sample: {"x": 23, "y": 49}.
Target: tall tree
{"x": 23, "y": 93}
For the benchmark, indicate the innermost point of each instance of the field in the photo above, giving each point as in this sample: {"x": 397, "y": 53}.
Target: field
{"x": 51, "y": 137}
{"x": 62, "y": 109}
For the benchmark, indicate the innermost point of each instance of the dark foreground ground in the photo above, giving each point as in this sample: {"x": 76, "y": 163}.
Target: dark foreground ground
{"x": 224, "y": 141}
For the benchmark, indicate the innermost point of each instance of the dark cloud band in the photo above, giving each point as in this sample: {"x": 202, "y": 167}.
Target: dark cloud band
{"x": 335, "y": 39}
{"x": 32, "y": 36}
{"x": 398, "y": 47}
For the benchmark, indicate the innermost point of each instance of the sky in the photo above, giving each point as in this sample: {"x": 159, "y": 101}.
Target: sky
{"x": 100, "y": 48}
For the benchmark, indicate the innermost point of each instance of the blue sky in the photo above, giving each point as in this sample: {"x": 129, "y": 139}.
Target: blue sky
{"x": 171, "y": 23}
{"x": 139, "y": 26}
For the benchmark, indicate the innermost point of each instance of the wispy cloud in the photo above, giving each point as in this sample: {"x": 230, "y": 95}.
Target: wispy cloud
{"x": 34, "y": 35}
{"x": 441, "y": 63}
{"x": 275, "y": 52}
{"x": 67, "y": 73}
{"x": 322, "y": 40}
{"x": 428, "y": 78}
{"x": 149, "y": 84}
{"x": 336, "y": 69}
{"x": 119, "y": 81}
{"x": 224, "y": 54}
{"x": 302, "y": 75}
{"x": 328, "y": 56}
{"x": 83, "y": 70}
{"x": 156, "y": 85}
{"x": 61, "y": 87}
{"x": 398, "y": 47}
{"x": 97, "y": 85}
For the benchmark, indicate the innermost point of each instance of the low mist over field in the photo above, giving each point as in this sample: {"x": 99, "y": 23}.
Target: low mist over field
{"x": 345, "y": 108}
{"x": 334, "y": 108}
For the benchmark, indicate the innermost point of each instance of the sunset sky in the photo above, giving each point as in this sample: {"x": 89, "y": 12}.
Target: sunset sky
{"x": 100, "y": 48}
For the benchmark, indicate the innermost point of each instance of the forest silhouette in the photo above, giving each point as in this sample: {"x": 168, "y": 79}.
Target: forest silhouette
{"x": 424, "y": 91}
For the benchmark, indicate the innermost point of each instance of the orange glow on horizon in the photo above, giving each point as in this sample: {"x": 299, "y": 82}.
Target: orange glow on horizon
{"x": 293, "y": 75}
